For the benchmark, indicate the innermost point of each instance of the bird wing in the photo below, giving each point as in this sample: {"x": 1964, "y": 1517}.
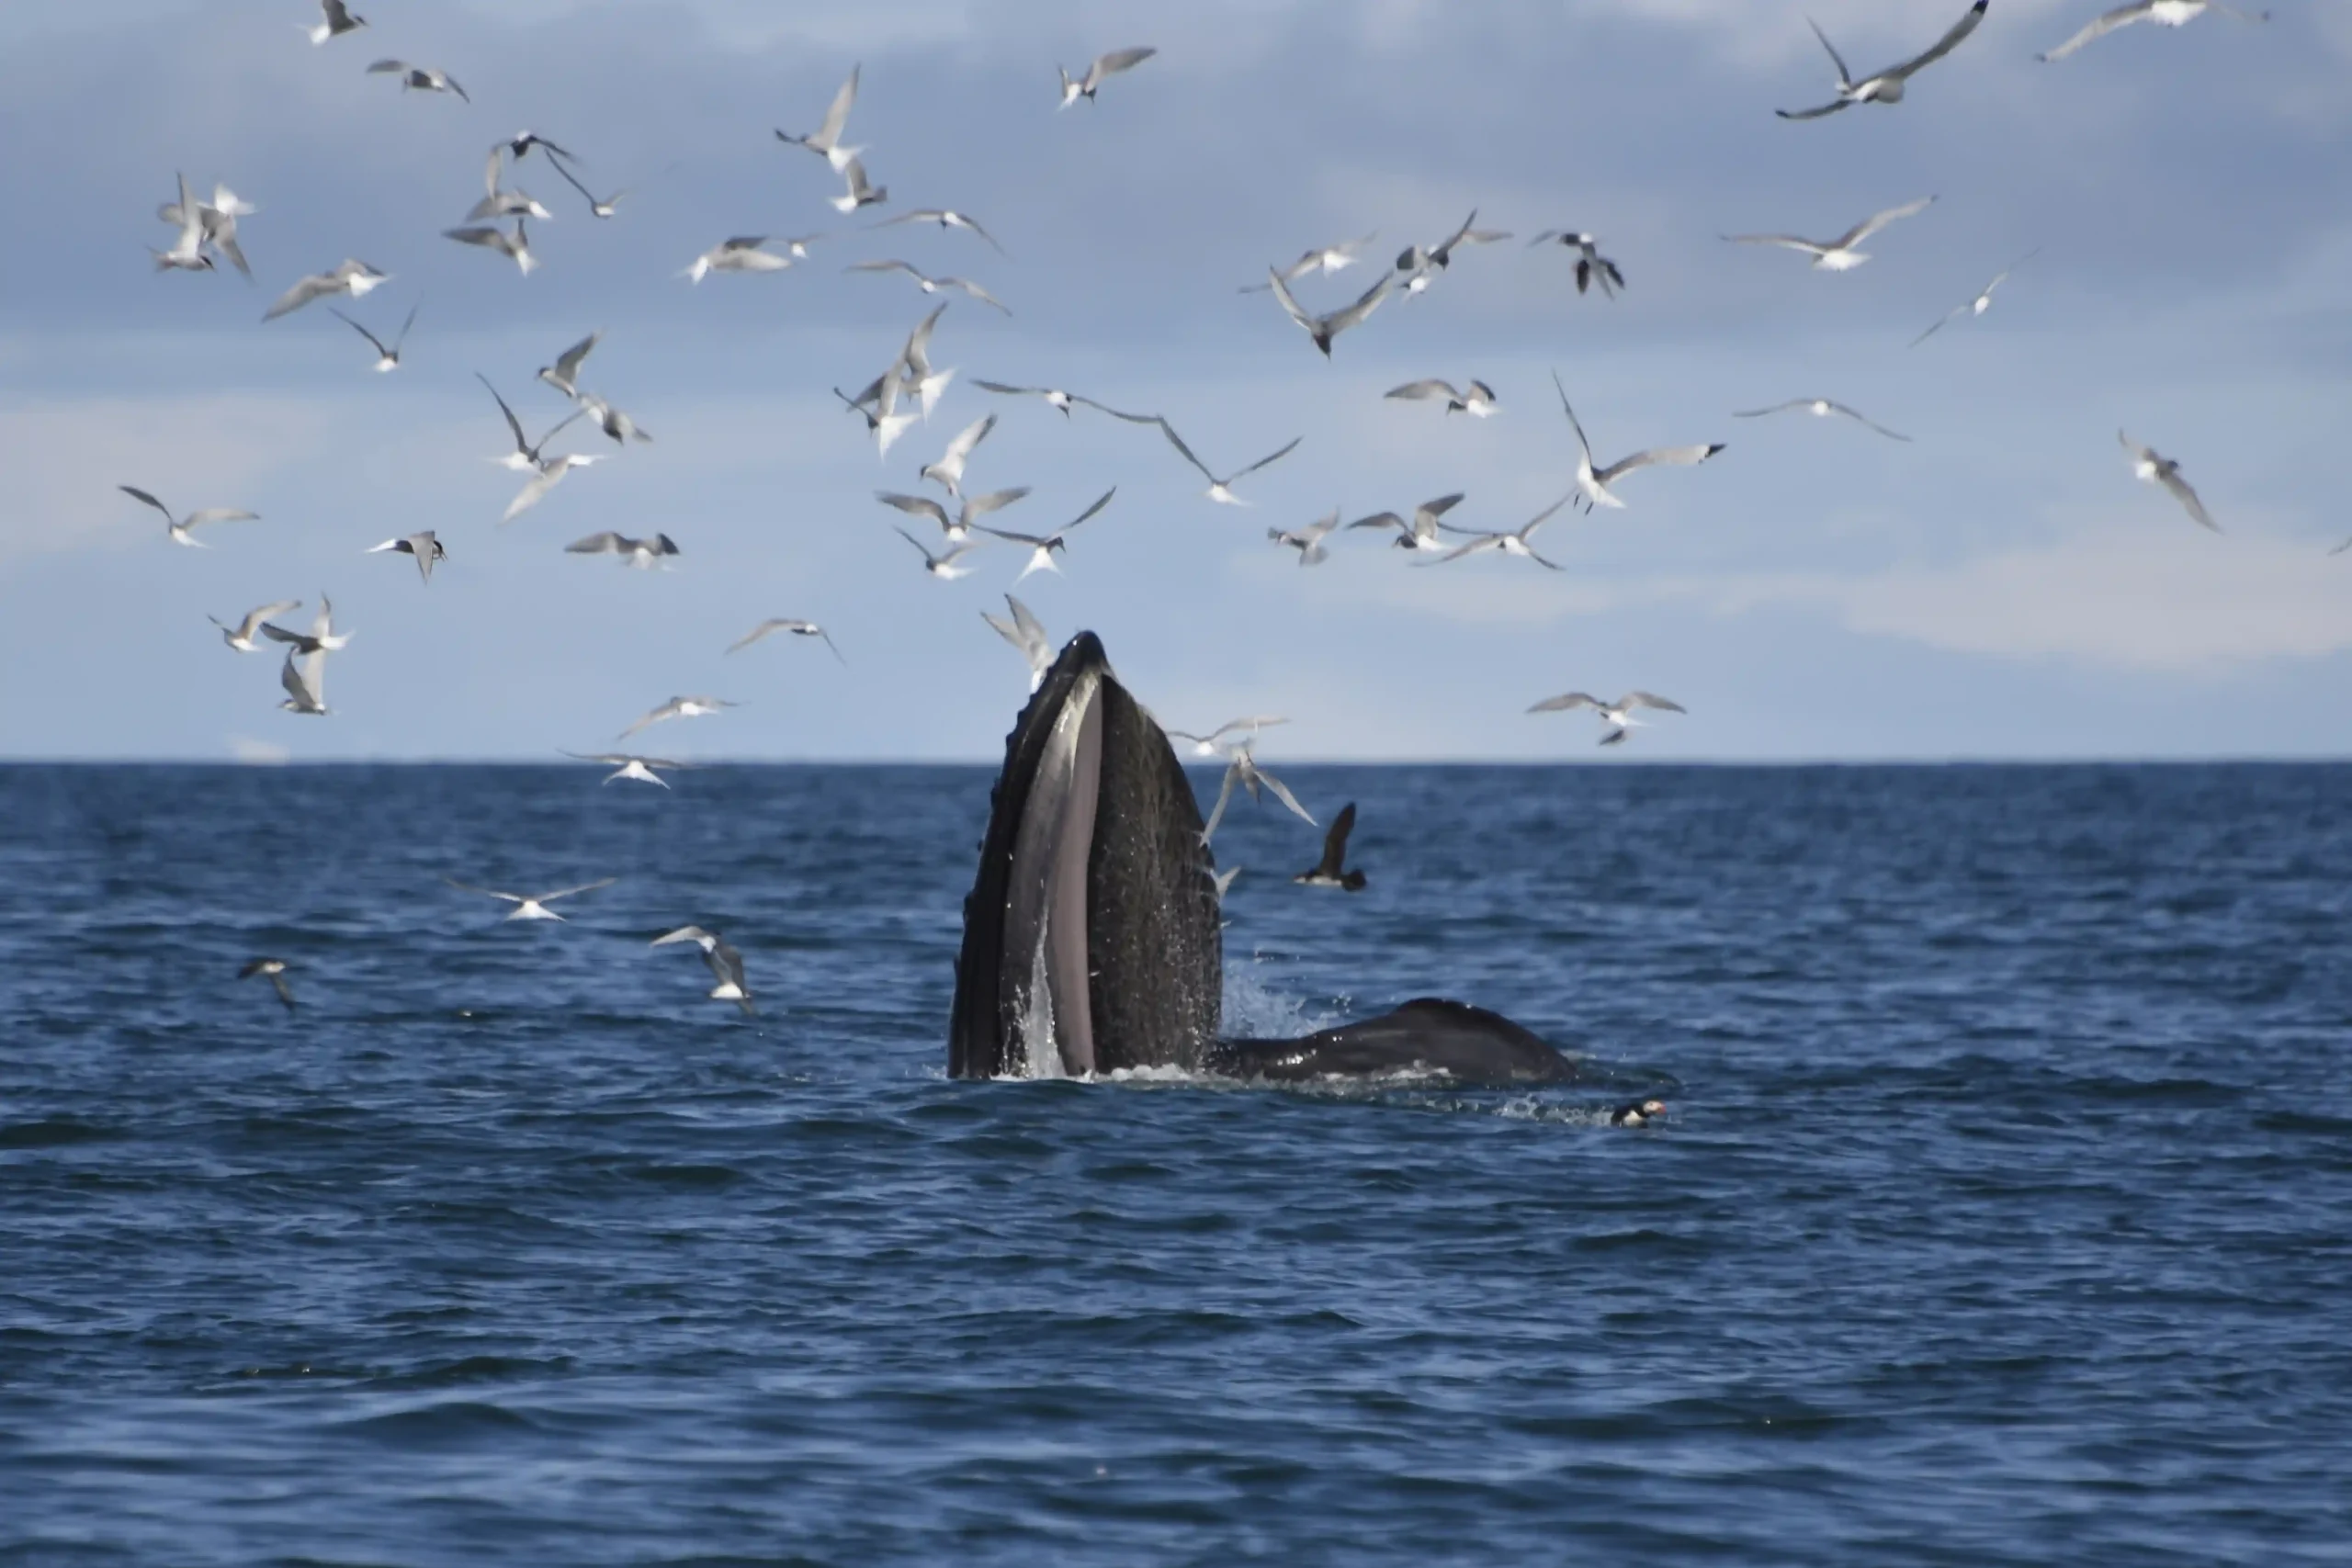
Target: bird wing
{"x": 1341, "y": 320}
{"x": 755, "y": 634}
{"x": 922, "y": 549}
{"x": 485, "y": 892}
{"x": 605, "y": 543}
{"x": 534, "y": 490}
{"x": 1116, "y": 413}
{"x": 512, "y": 422}
{"x": 1282, "y": 794}
{"x": 1289, "y": 304}
{"x": 1476, "y": 544}
{"x": 1379, "y": 520}
{"x": 2170, "y": 479}
{"x": 385, "y": 67}
{"x": 2122, "y": 16}
{"x": 1178, "y": 442}
{"x": 995, "y": 500}
{"x": 970, "y": 436}
{"x": 1031, "y": 628}
{"x": 837, "y": 112}
{"x": 409, "y": 321}
{"x": 975, "y": 291}
{"x": 1224, "y": 794}
{"x": 1335, "y": 841}
{"x": 1586, "y": 447}
{"x": 914, "y": 505}
{"x": 1100, "y": 503}
{"x": 1431, "y": 388}
{"x": 1860, "y": 418}
{"x": 1566, "y": 702}
{"x": 567, "y": 363}
{"x": 1120, "y": 59}
{"x": 1650, "y": 700}
{"x": 218, "y": 514}
{"x": 1878, "y": 221}
{"x": 363, "y": 332}
{"x": 1788, "y": 241}
{"x": 986, "y": 386}
{"x": 889, "y": 265}
{"x": 667, "y": 710}
{"x": 583, "y": 887}
{"x": 138, "y": 494}
{"x": 1268, "y": 459}
{"x": 974, "y": 225}
{"x": 1943, "y": 321}
{"x": 1943, "y": 45}
{"x": 1776, "y": 408}
{"x": 1659, "y": 456}
{"x": 302, "y": 293}
{"x": 1845, "y": 77}
{"x": 1816, "y": 113}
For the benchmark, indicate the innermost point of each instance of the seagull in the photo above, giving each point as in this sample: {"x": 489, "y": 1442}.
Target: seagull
{"x": 599, "y": 207}
{"x": 644, "y": 770}
{"x": 725, "y": 963}
{"x": 352, "y": 277}
{"x": 1420, "y": 534}
{"x": 186, "y": 254}
{"x": 946, "y": 217}
{"x": 564, "y": 374}
{"x": 914, "y": 360}
{"x": 525, "y": 457}
{"x": 1026, "y": 633}
{"x": 385, "y": 358}
{"x": 949, "y": 470}
{"x": 1327, "y": 872}
{"x": 2164, "y": 471}
{"x": 1978, "y": 306}
{"x": 321, "y": 638}
{"x": 418, "y": 78}
{"x": 518, "y": 147}
{"x": 215, "y": 223}
{"x": 1324, "y": 262}
{"x": 679, "y": 707}
{"x": 942, "y": 567}
{"x": 1820, "y": 408}
{"x": 499, "y": 202}
{"x": 2164, "y": 12}
{"x": 517, "y": 245}
{"x": 613, "y": 421}
{"x": 741, "y": 253}
{"x": 240, "y": 635}
{"x": 883, "y": 421}
{"x": 825, "y": 140}
{"x": 637, "y": 553}
{"x": 1324, "y": 328}
{"x": 1308, "y": 541}
{"x": 1837, "y": 254}
{"x": 1043, "y": 547}
{"x": 1511, "y": 544}
{"x": 177, "y": 529}
{"x": 1477, "y": 400}
{"x": 1207, "y": 745}
{"x": 304, "y": 679}
{"x": 424, "y": 546}
{"x": 276, "y": 969}
{"x": 1886, "y": 87}
{"x": 339, "y": 20}
{"x": 1595, "y": 484}
{"x": 859, "y": 193}
{"x": 535, "y": 489}
{"x": 1617, "y": 716}
{"x": 1054, "y": 398}
{"x": 1105, "y": 66}
{"x": 929, "y": 284}
{"x": 531, "y": 906}
{"x": 1417, "y": 264}
{"x": 958, "y": 529}
{"x": 1592, "y": 265}
{"x": 1220, "y": 489}
{"x": 1241, "y": 768}
{"x": 786, "y": 624}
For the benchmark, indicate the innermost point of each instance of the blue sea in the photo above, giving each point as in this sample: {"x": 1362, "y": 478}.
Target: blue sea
{"x": 2003, "y": 1215}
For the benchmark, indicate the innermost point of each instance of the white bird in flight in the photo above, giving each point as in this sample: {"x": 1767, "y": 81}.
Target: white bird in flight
{"x": 531, "y": 906}
{"x": 177, "y": 529}
{"x": 640, "y": 554}
{"x": 1241, "y": 768}
{"x": 1028, "y": 634}
{"x": 859, "y": 193}
{"x": 929, "y": 284}
{"x": 423, "y": 548}
{"x": 564, "y": 374}
{"x": 1323, "y": 262}
{"x": 1417, "y": 265}
{"x": 741, "y": 253}
{"x": 321, "y": 638}
{"x": 2164, "y": 12}
{"x": 958, "y": 529}
{"x": 947, "y": 567}
{"x": 337, "y": 20}
{"x": 1308, "y": 541}
{"x": 418, "y": 78}
{"x": 489, "y": 237}
{"x": 1885, "y": 86}
{"x": 626, "y": 766}
{"x": 1595, "y": 483}
{"x": 786, "y": 624}
{"x": 1592, "y": 265}
{"x": 1837, "y": 254}
{"x": 1323, "y": 329}
{"x": 552, "y": 474}
{"x": 387, "y": 359}
{"x": 825, "y": 140}
{"x": 240, "y": 635}
{"x": 2160, "y": 470}
{"x": 1104, "y": 67}
{"x": 946, "y": 217}
{"x": 1477, "y": 400}
{"x": 948, "y": 472}
{"x": 1978, "y": 306}
{"x": 1207, "y": 745}
{"x": 1514, "y": 543}
{"x": 725, "y": 963}
{"x": 1221, "y": 489}
{"x": 1043, "y": 548}
{"x": 679, "y": 707}
{"x": 1820, "y": 408}
{"x": 305, "y": 677}
{"x": 1419, "y": 532}
{"x": 526, "y": 458}
{"x": 1618, "y": 717}
{"x": 352, "y": 277}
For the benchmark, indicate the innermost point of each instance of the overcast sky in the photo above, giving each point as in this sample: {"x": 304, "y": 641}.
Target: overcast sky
{"x": 2001, "y": 586}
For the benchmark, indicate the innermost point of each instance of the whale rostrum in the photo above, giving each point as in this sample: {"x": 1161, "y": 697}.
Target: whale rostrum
{"x": 1092, "y": 940}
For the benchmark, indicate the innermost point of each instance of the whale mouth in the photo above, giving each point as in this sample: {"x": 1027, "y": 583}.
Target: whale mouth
{"x": 1091, "y": 937}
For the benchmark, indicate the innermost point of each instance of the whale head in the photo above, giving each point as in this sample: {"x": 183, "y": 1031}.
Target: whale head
{"x": 1091, "y": 936}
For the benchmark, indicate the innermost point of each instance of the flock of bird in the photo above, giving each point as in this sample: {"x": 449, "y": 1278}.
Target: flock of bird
{"x": 948, "y": 528}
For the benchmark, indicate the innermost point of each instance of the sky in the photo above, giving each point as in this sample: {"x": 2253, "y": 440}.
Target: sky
{"x": 2000, "y": 586}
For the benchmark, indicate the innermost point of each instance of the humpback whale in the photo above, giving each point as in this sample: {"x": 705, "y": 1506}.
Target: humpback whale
{"x": 1091, "y": 938}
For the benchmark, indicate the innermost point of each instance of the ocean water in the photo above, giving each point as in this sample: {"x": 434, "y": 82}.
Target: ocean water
{"x": 2003, "y": 1213}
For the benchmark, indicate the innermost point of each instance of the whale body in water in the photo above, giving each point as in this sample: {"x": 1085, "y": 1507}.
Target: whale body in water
{"x": 1092, "y": 942}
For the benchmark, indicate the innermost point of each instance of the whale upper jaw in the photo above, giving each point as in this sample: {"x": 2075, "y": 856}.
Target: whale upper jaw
{"x": 1091, "y": 938}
